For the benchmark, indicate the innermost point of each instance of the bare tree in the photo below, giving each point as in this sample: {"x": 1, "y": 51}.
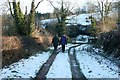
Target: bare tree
{"x": 106, "y": 23}
{"x": 91, "y": 7}
{"x": 6, "y": 19}
{"x": 61, "y": 13}
{"x": 104, "y": 6}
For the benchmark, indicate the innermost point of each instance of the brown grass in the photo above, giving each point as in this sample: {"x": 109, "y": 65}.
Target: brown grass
{"x": 106, "y": 26}
{"x": 10, "y": 42}
{"x": 15, "y": 48}
{"x": 43, "y": 40}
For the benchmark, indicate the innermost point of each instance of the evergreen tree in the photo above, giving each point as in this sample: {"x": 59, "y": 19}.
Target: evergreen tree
{"x": 31, "y": 18}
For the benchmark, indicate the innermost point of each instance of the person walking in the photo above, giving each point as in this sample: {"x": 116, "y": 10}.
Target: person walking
{"x": 63, "y": 42}
{"x": 55, "y": 42}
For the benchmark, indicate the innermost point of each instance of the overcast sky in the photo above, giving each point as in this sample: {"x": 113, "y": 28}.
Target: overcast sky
{"x": 45, "y": 6}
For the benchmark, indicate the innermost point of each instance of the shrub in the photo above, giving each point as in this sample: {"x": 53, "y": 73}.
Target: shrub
{"x": 73, "y": 30}
{"x": 106, "y": 26}
{"x": 111, "y": 42}
{"x": 52, "y": 27}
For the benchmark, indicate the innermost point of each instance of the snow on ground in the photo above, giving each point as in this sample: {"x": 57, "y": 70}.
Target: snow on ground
{"x": 60, "y": 67}
{"x": 82, "y": 19}
{"x": 25, "y": 68}
{"x": 79, "y": 19}
{"x": 92, "y": 65}
{"x": 95, "y": 66}
{"x": 83, "y": 39}
{"x": 48, "y": 21}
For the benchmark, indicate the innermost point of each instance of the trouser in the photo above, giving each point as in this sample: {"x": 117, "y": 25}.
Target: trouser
{"x": 55, "y": 46}
{"x": 63, "y": 48}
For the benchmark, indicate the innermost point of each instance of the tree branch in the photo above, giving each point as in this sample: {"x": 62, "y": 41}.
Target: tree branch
{"x": 38, "y": 4}
{"x": 10, "y": 9}
{"x": 52, "y": 4}
{"x": 57, "y": 14}
{"x": 99, "y": 8}
{"x": 26, "y": 10}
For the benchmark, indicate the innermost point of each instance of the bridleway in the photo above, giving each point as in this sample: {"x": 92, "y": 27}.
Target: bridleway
{"x": 74, "y": 65}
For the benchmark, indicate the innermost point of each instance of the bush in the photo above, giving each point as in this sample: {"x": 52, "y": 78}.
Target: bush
{"x": 73, "y": 30}
{"x": 51, "y": 27}
{"x": 8, "y": 27}
{"x": 111, "y": 42}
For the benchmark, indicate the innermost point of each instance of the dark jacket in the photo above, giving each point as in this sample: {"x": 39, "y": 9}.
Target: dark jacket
{"x": 63, "y": 40}
{"x": 55, "y": 40}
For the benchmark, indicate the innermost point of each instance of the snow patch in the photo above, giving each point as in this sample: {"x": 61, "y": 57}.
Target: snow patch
{"x": 60, "y": 67}
{"x": 25, "y": 68}
{"x": 92, "y": 67}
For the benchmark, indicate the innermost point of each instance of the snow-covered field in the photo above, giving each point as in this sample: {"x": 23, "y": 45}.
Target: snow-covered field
{"x": 82, "y": 19}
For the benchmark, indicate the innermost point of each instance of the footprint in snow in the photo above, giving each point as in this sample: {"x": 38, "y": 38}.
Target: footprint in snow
{"x": 14, "y": 71}
{"x": 89, "y": 71}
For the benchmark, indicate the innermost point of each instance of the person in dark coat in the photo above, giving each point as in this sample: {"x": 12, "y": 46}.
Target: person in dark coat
{"x": 55, "y": 42}
{"x": 63, "y": 42}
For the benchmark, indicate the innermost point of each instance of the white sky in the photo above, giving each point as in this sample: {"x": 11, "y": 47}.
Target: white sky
{"x": 45, "y": 6}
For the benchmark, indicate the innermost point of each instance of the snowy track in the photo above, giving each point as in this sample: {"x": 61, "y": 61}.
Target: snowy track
{"x": 61, "y": 67}
{"x": 91, "y": 65}
{"x": 45, "y": 68}
{"x": 75, "y": 69}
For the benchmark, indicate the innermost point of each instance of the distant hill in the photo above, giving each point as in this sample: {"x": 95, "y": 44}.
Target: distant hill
{"x": 81, "y": 19}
